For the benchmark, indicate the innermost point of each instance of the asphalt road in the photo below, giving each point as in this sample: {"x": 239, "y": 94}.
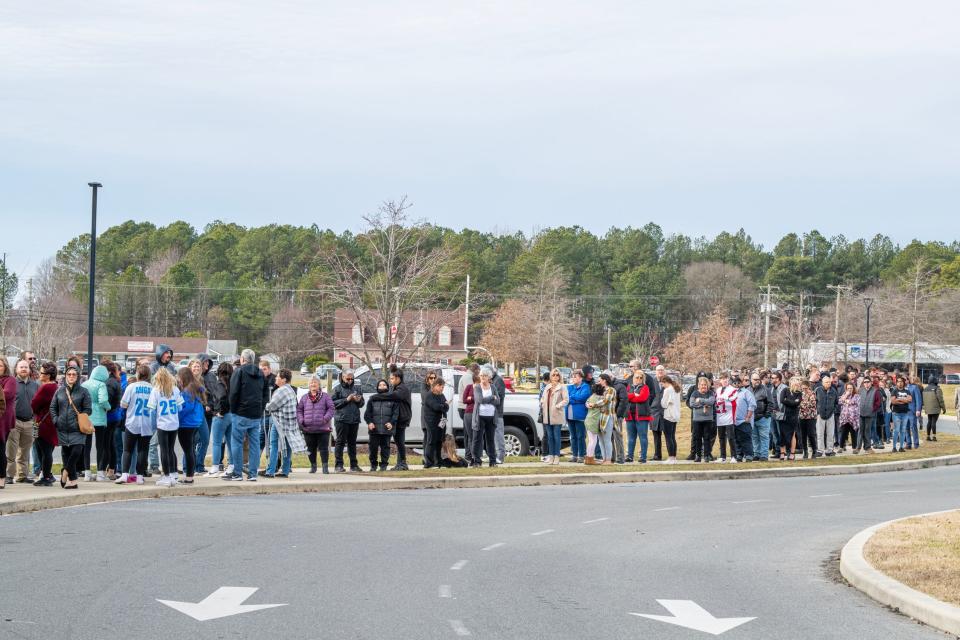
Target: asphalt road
{"x": 552, "y": 562}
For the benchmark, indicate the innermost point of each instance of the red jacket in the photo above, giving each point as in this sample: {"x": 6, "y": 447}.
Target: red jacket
{"x": 639, "y": 398}
{"x": 41, "y": 412}
{"x": 8, "y": 417}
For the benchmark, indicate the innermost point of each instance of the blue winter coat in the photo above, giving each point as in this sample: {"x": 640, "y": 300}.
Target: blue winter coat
{"x": 577, "y": 409}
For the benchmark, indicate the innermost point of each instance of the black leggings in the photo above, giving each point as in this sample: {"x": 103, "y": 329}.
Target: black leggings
{"x": 657, "y": 441}
{"x": 670, "y": 435}
{"x": 46, "y": 458}
{"x": 112, "y": 462}
{"x": 379, "y": 447}
{"x": 433, "y": 445}
{"x": 87, "y": 447}
{"x": 104, "y": 436}
{"x": 727, "y": 433}
{"x": 187, "y": 438}
{"x": 318, "y": 441}
{"x": 3, "y": 455}
{"x": 484, "y": 437}
{"x": 72, "y": 456}
{"x": 400, "y": 439}
{"x": 142, "y": 443}
{"x": 808, "y": 435}
{"x": 932, "y": 424}
{"x": 845, "y": 430}
{"x": 788, "y": 430}
{"x": 346, "y": 435}
{"x": 704, "y": 434}
{"x": 168, "y": 457}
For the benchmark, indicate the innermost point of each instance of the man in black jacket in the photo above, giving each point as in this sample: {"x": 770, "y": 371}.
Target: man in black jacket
{"x": 401, "y": 394}
{"x": 760, "y": 435}
{"x": 249, "y": 395}
{"x": 347, "y": 400}
{"x": 435, "y": 409}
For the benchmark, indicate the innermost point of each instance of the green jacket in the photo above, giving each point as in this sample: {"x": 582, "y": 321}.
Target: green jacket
{"x": 933, "y": 400}
{"x": 99, "y": 397}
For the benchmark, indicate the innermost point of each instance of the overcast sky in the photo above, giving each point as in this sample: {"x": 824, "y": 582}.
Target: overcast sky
{"x": 700, "y": 115}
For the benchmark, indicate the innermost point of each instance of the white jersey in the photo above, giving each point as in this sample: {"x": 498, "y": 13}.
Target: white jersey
{"x": 726, "y": 405}
{"x": 136, "y": 397}
{"x": 167, "y": 409}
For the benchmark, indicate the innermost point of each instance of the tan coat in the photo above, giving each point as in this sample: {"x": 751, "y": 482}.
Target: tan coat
{"x": 554, "y": 414}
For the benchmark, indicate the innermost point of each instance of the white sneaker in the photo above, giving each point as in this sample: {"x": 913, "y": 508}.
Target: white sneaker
{"x": 101, "y": 476}
{"x": 164, "y": 481}
{"x": 732, "y": 461}
{"x": 228, "y": 472}
{"x": 122, "y": 479}
{"x": 139, "y": 479}
{"x": 720, "y": 461}
{"x": 214, "y": 472}
{"x": 86, "y": 476}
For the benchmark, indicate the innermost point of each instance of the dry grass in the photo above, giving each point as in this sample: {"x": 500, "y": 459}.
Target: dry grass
{"x": 923, "y": 553}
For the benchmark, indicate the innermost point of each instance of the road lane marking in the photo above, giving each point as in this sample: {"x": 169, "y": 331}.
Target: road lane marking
{"x": 595, "y": 520}
{"x": 752, "y": 501}
{"x": 542, "y": 533}
{"x": 459, "y": 629}
{"x": 459, "y": 565}
{"x": 667, "y": 509}
{"x": 827, "y": 495}
{"x": 902, "y": 491}
{"x": 496, "y": 545}
{"x": 445, "y": 591}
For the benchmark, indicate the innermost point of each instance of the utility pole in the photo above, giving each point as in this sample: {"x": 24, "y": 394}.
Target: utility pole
{"x": 93, "y": 274}
{"x": 30, "y": 314}
{"x": 766, "y": 329}
{"x": 836, "y": 320}
{"x": 867, "y": 302}
{"x": 466, "y": 318}
{"x": 3, "y": 308}
{"x": 609, "y": 362}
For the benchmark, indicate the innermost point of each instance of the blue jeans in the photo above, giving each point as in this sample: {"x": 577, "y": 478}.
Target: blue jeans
{"x": 202, "y": 440}
{"x": 913, "y": 431}
{"x": 637, "y": 429}
{"x": 888, "y": 425}
{"x": 153, "y": 455}
{"x": 578, "y": 438}
{"x": 900, "y": 426}
{"x": 36, "y": 457}
{"x": 774, "y": 435}
{"x": 245, "y": 428}
{"x": 552, "y": 432}
{"x": 220, "y": 432}
{"x": 760, "y": 437}
{"x": 275, "y": 450}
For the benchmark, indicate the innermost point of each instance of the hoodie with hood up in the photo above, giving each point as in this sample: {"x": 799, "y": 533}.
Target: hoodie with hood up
{"x": 156, "y": 364}
{"x": 249, "y": 393}
{"x": 211, "y": 383}
{"x": 348, "y": 411}
{"x": 99, "y": 395}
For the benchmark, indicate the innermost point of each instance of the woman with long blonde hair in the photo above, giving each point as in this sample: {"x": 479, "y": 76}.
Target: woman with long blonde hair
{"x": 166, "y": 402}
{"x": 553, "y": 403}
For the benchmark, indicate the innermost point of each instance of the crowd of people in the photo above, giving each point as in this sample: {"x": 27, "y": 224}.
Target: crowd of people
{"x": 130, "y": 427}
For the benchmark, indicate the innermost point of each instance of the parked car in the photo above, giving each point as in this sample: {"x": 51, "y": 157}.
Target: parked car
{"x": 522, "y": 433}
{"x": 304, "y": 369}
{"x": 183, "y": 363}
{"x": 530, "y": 373}
{"x": 566, "y": 372}
{"x": 687, "y": 383}
{"x": 323, "y": 370}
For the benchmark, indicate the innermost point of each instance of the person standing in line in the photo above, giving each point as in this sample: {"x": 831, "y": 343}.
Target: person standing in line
{"x": 208, "y": 378}
{"x": 726, "y": 412}
{"x": 249, "y": 394}
{"x": 702, "y": 402}
{"x": 827, "y": 401}
{"x": 100, "y": 397}
{"x": 808, "y": 420}
{"x": 871, "y": 403}
{"x": 933, "y": 406}
{"x": 577, "y": 394}
{"x": 401, "y": 395}
{"x": 347, "y": 400}
{"x": 849, "y": 416}
{"x": 915, "y": 387}
{"x": 553, "y": 402}
{"x": 201, "y": 435}
{"x": 501, "y": 387}
{"x": 469, "y": 378}
{"x": 381, "y": 418}
{"x": 760, "y": 432}
{"x": 270, "y": 382}
{"x": 191, "y": 417}
{"x": 221, "y": 428}
{"x": 46, "y": 438}
{"x": 775, "y": 389}
{"x": 139, "y": 427}
{"x": 20, "y": 438}
{"x": 428, "y": 448}
{"x": 69, "y": 402}
{"x": 900, "y": 400}
{"x": 608, "y": 415}
{"x": 639, "y": 414}
{"x": 165, "y": 403}
{"x": 114, "y": 418}
{"x": 163, "y": 359}
{"x": 485, "y": 401}
{"x": 435, "y": 410}
{"x": 746, "y": 407}
{"x": 656, "y": 409}
{"x": 697, "y": 431}
{"x": 790, "y": 425}
{"x": 620, "y": 419}
{"x": 315, "y": 411}
{"x": 670, "y": 402}
{"x": 283, "y": 408}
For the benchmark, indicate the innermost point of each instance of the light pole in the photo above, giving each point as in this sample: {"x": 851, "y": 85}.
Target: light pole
{"x": 867, "y": 302}
{"x": 609, "y": 367}
{"x": 93, "y": 273}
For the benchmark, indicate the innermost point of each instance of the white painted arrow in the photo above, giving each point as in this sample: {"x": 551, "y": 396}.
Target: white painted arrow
{"x": 687, "y": 613}
{"x": 225, "y": 601}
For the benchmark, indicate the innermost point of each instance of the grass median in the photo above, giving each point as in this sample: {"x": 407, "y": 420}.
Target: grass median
{"x": 922, "y": 553}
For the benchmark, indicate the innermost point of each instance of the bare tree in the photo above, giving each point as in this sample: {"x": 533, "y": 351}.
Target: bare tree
{"x": 507, "y": 335}
{"x": 393, "y": 276}
{"x": 710, "y": 283}
{"x": 289, "y": 335}
{"x": 718, "y": 345}
{"x": 57, "y": 318}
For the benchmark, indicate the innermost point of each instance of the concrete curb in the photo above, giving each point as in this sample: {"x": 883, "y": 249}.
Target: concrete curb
{"x": 216, "y": 487}
{"x": 885, "y": 590}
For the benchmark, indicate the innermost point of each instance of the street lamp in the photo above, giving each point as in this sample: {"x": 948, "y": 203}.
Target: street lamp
{"x": 867, "y": 302}
{"x": 93, "y": 263}
{"x": 696, "y": 331}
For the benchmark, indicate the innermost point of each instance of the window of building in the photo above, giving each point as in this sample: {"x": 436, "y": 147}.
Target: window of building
{"x": 357, "y": 334}
{"x": 419, "y": 335}
{"x": 443, "y": 336}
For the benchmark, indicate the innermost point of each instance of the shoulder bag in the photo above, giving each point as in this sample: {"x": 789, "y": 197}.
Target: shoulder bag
{"x": 83, "y": 420}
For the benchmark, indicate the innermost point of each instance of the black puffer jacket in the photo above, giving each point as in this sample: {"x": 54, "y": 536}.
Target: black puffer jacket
{"x": 64, "y": 416}
{"x": 382, "y": 409}
{"x": 348, "y": 411}
{"x": 435, "y": 407}
{"x": 249, "y": 393}
{"x": 401, "y": 395}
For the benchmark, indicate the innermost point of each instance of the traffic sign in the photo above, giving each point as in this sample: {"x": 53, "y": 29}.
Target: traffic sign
{"x": 654, "y": 361}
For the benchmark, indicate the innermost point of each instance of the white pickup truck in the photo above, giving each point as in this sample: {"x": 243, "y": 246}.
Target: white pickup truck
{"x": 521, "y": 431}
